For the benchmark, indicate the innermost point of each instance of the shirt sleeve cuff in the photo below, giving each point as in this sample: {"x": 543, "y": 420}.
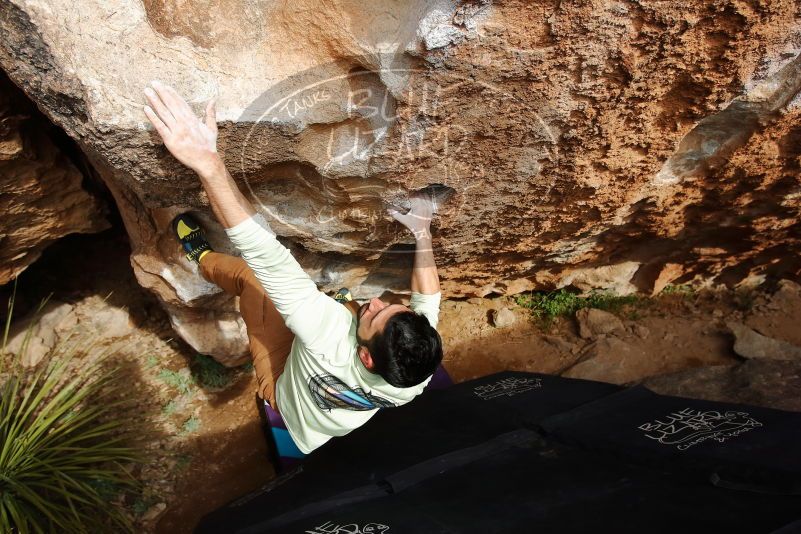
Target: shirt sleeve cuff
{"x": 422, "y": 297}
{"x": 250, "y": 228}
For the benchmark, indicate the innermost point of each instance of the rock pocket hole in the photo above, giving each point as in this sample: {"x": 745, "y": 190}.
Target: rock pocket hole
{"x": 441, "y": 194}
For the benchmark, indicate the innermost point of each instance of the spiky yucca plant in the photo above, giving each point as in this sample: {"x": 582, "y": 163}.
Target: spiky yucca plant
{"x": 61, "y": 446}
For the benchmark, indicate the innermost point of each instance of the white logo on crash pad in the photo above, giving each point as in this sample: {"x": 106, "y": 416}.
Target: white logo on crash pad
{"x": 507, "y": 387}
{"x": 352, "y": 528}
{"x": 689, "y": 427}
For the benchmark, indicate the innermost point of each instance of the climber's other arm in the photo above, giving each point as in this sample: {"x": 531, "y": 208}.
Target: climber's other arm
{"x": 425, "y": 279}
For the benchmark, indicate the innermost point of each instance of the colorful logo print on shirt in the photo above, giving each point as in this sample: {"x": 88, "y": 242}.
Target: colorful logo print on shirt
{"x": 329, "y": 392}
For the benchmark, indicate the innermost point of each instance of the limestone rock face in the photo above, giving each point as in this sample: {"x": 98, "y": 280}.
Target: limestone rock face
{"x": 593, "y": 144}
{"x": 751, "y": 344}
{"x": 593, "y": 323}
{"x": 41, "y": 198}
{"x": 40, "y": 332}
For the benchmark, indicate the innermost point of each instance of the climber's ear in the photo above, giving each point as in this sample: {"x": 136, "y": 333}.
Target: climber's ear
{"x": 366, "y": 357}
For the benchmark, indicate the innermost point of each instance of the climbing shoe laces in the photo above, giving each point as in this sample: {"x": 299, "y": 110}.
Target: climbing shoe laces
{"x": 191, "y": 237}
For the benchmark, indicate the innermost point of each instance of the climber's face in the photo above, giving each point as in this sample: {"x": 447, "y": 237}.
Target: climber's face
{"x": 373, "y": 316}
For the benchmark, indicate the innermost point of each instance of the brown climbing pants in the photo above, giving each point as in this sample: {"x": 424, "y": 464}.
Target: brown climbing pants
{"x": 270, "y": 339}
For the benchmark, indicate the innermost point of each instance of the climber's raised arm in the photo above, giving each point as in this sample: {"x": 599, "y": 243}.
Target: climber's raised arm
{"x": 425, "y": 280}
{"x": 310, "y": 314}
{"x": 193, "y": 142}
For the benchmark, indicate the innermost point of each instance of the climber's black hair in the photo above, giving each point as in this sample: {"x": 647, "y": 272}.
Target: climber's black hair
{"x": 408, "y": 350}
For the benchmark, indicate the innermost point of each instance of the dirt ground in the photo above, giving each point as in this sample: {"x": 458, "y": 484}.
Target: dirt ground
{"x": 205, "y": 446}
{"x": 660, "y": 336}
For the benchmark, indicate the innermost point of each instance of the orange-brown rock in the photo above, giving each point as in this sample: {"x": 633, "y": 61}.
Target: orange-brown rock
{"x": 592, "y": 144}
{"x": 41, "y": 198}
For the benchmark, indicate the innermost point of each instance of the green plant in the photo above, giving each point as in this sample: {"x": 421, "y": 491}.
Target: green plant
{"x": 210, "y": 373}
{"x": 180, "y": 381}
{"x": 551, "y": 304}
{"x": 612, "y": 302}
{"x": 547, "y": 306}
{"x": 191, "y": 425}
{"x": 183, "y": 462}
{"x": 143, "y": 504}
{"x": 61, "y": 443}
{"x": 679, "y": 289}
{"x": 169, "y": 408}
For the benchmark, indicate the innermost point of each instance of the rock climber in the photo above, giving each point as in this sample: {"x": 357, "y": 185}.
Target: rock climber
{"x": 326, "y": 368}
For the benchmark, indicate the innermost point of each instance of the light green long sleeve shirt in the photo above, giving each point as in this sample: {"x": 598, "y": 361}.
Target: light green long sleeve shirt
{"x": 325, "y": 390}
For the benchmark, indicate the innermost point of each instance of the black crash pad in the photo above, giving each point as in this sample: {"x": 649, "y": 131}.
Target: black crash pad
{"x": 519, "y": 483}
{"x": 739, "y": 446}
{"x": 472, "y": 458}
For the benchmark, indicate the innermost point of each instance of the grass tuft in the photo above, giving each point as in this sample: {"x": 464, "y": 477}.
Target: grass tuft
{"x": 191, "y": 425}
{"x": 180, "y": 381}
{"x": 169, "y": 408}
{"x": 143, "y": 504}
{"x": 679, "y": 289}
{"x": 209, "y": 373}
{"x": 547, "y": 306}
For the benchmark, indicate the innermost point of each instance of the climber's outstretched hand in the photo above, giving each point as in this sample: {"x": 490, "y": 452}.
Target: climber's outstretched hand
{"x": 191, "y": 140}
{"x": 425, "y": 279}
{"x": 418, "y": 218}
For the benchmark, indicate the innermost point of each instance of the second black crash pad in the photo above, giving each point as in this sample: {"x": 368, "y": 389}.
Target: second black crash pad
{"x": 741, "y": 446}
{"x": 518, "y": 482}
